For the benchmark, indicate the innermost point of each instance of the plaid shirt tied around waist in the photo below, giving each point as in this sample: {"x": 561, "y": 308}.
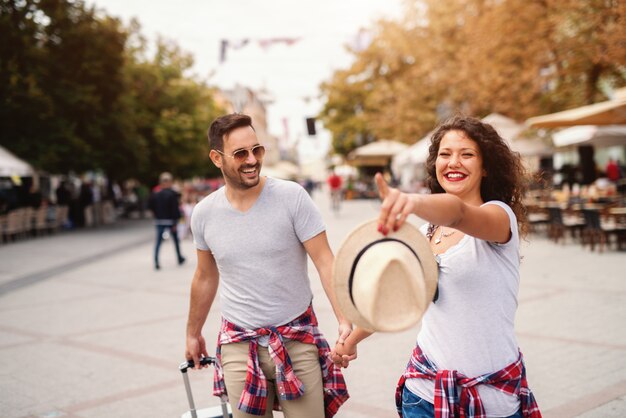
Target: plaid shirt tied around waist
{"x": 254, "y": 396}
{"x": 511, "y": 380}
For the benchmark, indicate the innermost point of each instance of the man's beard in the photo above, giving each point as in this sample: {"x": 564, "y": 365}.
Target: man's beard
{"x": 240, "y": 181}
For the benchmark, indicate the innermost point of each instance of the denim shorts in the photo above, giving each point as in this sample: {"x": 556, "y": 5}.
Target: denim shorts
{"x": 415, "y": 407}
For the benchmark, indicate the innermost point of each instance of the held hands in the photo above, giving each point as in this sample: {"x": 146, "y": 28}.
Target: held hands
{"x": 343, "y": 354}
{"x": 339, "y": 352}
{"x": 196, "y": 349}
{"x": 396, "y": 206}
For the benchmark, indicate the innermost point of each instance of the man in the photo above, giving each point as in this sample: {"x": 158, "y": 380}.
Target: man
{"x": 612, "y": 170}
{"x": 164, "y": 205}
{"x": 253, "y": 235}
{"x": 334, "y": 184}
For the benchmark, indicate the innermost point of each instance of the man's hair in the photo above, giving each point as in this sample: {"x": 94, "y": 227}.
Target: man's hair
{"x": 223, "y": 126}
{"x": 165, "y": 177}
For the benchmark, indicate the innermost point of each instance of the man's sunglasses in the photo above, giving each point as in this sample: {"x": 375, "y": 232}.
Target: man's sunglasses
{"x": 241, "y": 155}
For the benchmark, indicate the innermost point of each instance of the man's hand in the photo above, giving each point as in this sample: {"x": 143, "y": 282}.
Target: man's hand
{"x": 196, "y": 349}
{"x": 343, "y": 354}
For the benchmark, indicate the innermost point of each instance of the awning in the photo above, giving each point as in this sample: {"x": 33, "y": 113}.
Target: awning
{"x": 601, "y": 136}
{"x": 282, "y": 170}
{"x": 612, "y": 112}
{"x": 377, "y": 153}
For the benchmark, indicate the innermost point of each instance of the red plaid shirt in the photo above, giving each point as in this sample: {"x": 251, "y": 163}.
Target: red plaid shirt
{"x": 254, "y": 396}
{"x": 511, "y": 380}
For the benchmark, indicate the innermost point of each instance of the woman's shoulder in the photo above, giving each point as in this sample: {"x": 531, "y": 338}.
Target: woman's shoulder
{"x": 504, "y": 206}
{"x": 512, "y": 219}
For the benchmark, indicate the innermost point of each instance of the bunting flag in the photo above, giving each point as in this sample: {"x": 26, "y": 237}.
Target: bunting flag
{"x": 230, "y": 43}
{"x": 226, "y": 44}
{"x": 266, "y": 43}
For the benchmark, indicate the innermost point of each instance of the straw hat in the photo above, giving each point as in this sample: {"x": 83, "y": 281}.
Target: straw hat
{"x": 384, "y": 283}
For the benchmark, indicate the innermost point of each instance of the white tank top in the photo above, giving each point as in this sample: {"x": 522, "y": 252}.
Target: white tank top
{"x": 470, "y": 328}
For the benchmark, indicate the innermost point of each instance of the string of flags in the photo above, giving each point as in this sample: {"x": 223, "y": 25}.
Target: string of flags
{"x": 266, "y": 43}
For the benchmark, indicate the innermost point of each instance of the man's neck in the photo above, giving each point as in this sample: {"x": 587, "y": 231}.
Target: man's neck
{"x": 244, "y": 199}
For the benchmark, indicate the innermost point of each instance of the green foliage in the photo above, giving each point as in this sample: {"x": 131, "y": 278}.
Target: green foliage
{"x": 171, "y": 112}
{"x": 67, "y": 82}
{"x": 78, "y": 92}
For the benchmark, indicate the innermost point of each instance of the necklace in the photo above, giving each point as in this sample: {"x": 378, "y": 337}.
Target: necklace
{"x": 442, "y": 234}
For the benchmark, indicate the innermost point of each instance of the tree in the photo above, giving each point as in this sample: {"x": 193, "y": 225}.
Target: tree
{"x": 21, "y": 95}
{"x": 516, "y": 57}
{"x": 172, "y": 112}
{"x": 79, "y": 93}
{"x": 72, "y": 69}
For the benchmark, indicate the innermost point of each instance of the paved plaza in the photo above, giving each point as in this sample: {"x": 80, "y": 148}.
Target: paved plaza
{"x": 89, "y": 330}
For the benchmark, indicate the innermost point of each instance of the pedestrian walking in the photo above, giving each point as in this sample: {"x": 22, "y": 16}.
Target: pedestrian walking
{"x": 165, "y": 207}
{"x": 186, "y": 209}
{"x": 334, "y": 184}
{"x": 613, "y": 170}
{"x": 466, "y": 362}
{"x": 252, "y": 237}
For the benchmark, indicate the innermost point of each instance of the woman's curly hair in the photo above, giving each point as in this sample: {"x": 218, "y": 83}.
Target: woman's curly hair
{"x": 506, "y": 179}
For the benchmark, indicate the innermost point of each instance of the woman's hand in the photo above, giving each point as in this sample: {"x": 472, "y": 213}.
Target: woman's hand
{"x": 343, "y": 354}
{"x": 396, "y": 206}
{"x": 345, "y": 328}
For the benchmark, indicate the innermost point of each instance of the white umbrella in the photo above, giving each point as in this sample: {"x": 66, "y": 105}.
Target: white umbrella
{"x": 407, "y": 165}
{"x": 602, "y": 136}
{"x": 506, "y": 127}
{"x": 282, "y": 170}
{"x": 10, "y": 165}
{"x": 377, "y": 153}
{"x": 510, "y": 131}
{"x": 531, "y": 147}
{"x": 414, "y": 154}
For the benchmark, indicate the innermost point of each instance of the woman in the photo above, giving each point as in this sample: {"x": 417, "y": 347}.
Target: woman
{"x": 466, "y": 361}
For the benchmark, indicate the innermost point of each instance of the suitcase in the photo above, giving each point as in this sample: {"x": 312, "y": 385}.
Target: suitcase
{"x": 222, "y": 411}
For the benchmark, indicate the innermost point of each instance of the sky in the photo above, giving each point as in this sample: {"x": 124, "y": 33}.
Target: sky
{"x": 291, "y": 74}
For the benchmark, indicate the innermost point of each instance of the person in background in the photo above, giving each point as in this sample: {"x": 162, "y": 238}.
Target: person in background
{"x": 334, "y": 184}
{"x": 613, "y": 170}
{"x": 189, "y": 202}
{"x": 466, "y": 361}
{"x": 165, "y": 208}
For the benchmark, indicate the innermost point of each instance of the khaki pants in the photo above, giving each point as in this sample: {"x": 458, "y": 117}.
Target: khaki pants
{"x": 305, "y": 362}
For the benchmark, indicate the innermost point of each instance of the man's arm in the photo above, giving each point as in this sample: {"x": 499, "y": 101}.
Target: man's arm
{"x": 322, "y": 256}
{"x": 203, "y": 289}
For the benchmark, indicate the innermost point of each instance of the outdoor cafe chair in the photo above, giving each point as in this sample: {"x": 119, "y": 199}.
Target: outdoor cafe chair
{"x": 598, "y": 231}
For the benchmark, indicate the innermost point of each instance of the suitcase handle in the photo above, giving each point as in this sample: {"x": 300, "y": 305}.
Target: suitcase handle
{"x": 189, "y": 364}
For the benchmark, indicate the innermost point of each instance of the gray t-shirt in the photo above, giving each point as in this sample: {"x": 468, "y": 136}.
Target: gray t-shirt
{"x": 471, "y": 326}
{"x": 259, "y": 253}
